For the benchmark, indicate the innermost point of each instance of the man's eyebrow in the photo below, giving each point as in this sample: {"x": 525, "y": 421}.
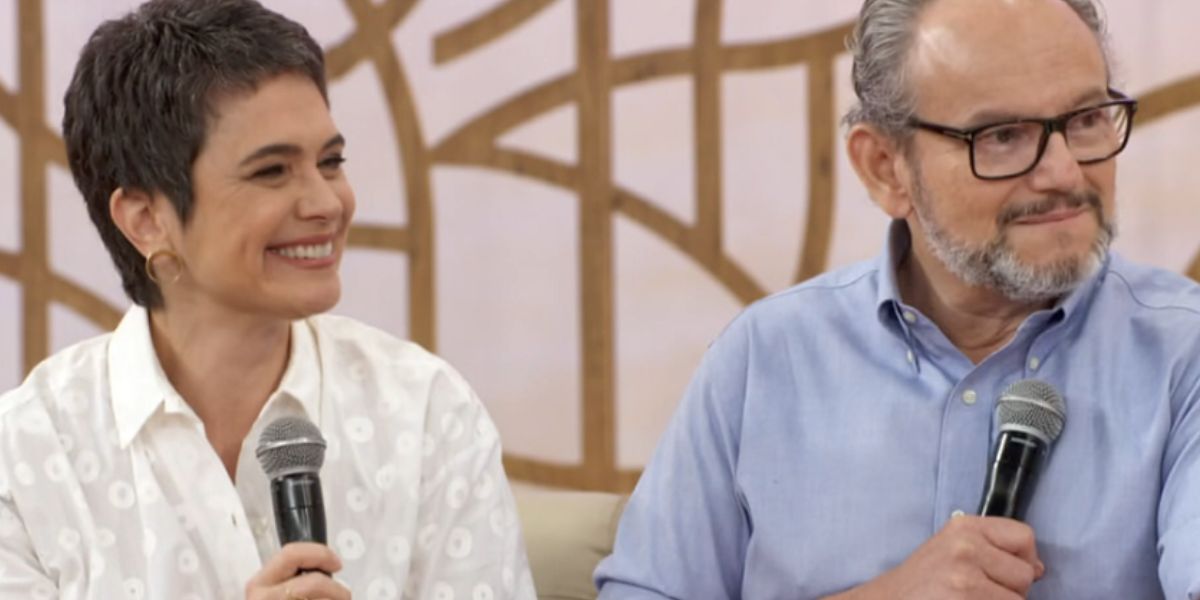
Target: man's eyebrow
{"x": 1092, "y": 97}
{"x": 988, "y": 116}
{"x": 288, "y": 149}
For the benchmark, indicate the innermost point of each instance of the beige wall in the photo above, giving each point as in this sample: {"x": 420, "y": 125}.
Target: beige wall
{"x": 567, "y": 199}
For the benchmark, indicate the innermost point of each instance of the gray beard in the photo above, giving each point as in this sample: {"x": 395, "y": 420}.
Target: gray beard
{"x": 996, "y": 266}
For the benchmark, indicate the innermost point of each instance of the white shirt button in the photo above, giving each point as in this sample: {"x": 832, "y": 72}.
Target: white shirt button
{"x": 969, "y": 397}
{"x": 1034, "y": 363}
{"x": 261, "y": 527}
{"x": 910, "y": 316}
{"x": 957, "y": 513}
{"x": 910, "y": 357}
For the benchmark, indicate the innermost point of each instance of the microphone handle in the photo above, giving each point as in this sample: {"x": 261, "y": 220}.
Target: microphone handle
{"x": 299, "y": 508}
{"x": 1012, "y": 475}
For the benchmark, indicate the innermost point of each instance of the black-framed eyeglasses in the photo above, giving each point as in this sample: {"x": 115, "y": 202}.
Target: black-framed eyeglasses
{"x": 1013, "y": 148}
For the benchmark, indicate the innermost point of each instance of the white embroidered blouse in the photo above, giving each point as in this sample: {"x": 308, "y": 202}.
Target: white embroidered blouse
{"x": 109, "y": 488}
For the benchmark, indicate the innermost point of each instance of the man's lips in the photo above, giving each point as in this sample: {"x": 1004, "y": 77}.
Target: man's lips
{"x": 1054, "y": 216}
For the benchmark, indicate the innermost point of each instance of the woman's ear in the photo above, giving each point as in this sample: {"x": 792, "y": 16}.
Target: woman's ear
{"x": 139, "y": 216}
{"x": 883, "y": 168}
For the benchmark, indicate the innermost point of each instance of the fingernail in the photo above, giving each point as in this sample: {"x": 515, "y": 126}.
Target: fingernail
{"x": 1041, "y": 568}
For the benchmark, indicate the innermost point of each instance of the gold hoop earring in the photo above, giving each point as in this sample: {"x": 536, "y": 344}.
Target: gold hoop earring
{"x": 150, "y": 266}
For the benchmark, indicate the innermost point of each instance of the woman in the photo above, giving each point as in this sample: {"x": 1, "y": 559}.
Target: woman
{"x": 199, "y": 134}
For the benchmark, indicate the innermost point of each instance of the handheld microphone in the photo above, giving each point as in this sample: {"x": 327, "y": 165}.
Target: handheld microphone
{"x": 1031, "y": 415}
{"x": 291, "y": 451}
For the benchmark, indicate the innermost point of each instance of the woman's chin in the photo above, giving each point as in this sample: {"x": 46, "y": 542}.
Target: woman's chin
{"x": 310, "y": 302}
{"x": 316, "y": 306}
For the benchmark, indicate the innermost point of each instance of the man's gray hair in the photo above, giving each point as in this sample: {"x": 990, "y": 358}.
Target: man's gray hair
{"x": 880, "y": 46}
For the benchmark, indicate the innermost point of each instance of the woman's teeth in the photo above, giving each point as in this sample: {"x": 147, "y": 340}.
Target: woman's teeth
{"x": 305, "y": 252}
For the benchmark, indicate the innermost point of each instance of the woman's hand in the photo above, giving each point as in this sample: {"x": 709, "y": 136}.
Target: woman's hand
{"x": 280, "y": 578}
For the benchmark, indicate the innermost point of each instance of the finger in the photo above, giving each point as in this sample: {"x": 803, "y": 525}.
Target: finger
{"x": 313, "y": 586}
{"x": 1013, "y": 537}
{"x": 293, "y": 558}
{"x": 991, "y": 590}
{"x": 1007, "y": 570}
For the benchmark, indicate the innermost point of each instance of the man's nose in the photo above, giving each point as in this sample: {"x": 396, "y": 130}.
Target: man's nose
{"x": 1058, "y": 170}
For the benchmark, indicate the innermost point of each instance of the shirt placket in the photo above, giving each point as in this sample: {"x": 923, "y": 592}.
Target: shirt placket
{"x": 208, "y": 492}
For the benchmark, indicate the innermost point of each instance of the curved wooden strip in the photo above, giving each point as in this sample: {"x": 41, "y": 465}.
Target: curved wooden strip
{"x": 551, "y": 94}
{"x": 639, "y": 210}
{"x": 10, "y": 265}
{"x": 822, "y": 136}
{"x": 723, "y": 269}
{"x": 627, "y": 479}
{"x": 8, "y": 106}
{"x": 737, "y": 280}
{"x": 379, "y": 237}
{"x": 485, "y": 28}
{"x": 479, "y": 133}
{"x": 85, "y": 303}
{"x": 1167, "y": 100}
{"x": 54, "y": 149}
{"x": 593, "y": 95}
{"x": 521, "y": 163}
{"x": 1171, "y": 98}
{"x": 819, "y": 46}
{"x": 415, "y": 161}
{"x": 706, "y": 116}
{"x": 340, "y": 59}
{"x": 28, "y": 122}
{"x": 538, "y": 472}
{"x": 550, "y": 474}
{"x": 652, "y": 65}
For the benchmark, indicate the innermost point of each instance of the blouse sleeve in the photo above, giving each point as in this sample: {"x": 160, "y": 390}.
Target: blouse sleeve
{"x": 469, "y": 540}
{"x": 21, "y": 575}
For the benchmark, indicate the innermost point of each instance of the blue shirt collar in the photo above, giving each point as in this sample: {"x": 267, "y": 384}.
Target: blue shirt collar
{"x": 895, "y": 248}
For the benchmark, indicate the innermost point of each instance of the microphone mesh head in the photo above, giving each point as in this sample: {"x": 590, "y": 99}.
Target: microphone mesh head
{"x": 290, "y": 445}
{"x": 1032, "y": 406}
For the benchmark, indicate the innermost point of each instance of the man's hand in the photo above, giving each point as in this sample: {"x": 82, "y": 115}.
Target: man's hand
{"x": 279, "y": 578}
{"x": 977, "y": 558}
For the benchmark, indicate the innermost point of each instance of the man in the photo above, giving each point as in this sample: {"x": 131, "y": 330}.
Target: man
{"x": 835, "y": 440}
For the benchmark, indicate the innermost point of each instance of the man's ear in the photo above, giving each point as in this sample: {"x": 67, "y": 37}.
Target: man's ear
{"x": 140, "y": 216}
{"x": 883, "y": 168}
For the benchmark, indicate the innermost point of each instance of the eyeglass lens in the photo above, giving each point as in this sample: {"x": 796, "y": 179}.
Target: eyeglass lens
{"x": 1012, "y": 148}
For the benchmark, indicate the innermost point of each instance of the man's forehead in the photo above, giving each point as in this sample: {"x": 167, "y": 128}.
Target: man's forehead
{"x": 1024, "y": 56}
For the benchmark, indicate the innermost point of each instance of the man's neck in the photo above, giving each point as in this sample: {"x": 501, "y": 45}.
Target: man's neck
{"x": 977, "y": 320}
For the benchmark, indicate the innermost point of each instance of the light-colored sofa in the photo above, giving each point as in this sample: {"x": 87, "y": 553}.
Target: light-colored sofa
{"x": 566, "y": 535}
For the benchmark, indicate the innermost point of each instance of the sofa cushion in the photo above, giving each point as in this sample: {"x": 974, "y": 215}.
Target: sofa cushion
{"x": 566, "y": 535}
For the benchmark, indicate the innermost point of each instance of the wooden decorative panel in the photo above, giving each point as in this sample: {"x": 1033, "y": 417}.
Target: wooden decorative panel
{"x": 589, "y": 88}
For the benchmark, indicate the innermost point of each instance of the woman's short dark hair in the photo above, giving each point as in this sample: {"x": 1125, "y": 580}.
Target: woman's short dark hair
{"x": 139, "y": 105}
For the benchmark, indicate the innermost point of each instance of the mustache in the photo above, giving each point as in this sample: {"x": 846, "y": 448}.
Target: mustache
{"x": 1049, "y": 204}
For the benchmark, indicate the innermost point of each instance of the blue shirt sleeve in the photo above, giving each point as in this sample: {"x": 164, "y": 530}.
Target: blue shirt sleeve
{"x": 684, "y": 531}
{"x": 1179, "y": 502}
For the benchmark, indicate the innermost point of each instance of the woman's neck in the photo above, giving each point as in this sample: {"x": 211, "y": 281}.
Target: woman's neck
{"x": 224, "y": 365}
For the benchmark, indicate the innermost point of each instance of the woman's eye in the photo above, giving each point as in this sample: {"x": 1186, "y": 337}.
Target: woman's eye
{"x": 333, "y": 162}
{"x": 269, "y": 172}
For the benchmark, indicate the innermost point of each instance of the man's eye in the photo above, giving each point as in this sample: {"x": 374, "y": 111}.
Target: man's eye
{"x": 1089, "y": 119}
{"x": 1005, "y": 136}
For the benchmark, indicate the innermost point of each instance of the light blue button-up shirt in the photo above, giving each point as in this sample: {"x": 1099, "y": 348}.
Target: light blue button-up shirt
{"x": 832, "y": 429}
